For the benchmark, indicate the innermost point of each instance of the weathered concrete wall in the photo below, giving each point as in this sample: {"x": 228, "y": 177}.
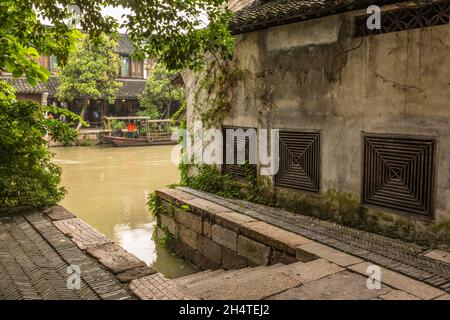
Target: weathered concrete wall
{"x": 315, "y": 75}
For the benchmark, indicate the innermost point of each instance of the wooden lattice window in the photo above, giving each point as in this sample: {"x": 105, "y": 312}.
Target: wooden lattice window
{"x": 240, "y": 168}
{"x": 299, "y": 161}
{"x": 422, "y": 16}
{"x": 399, "y": 173}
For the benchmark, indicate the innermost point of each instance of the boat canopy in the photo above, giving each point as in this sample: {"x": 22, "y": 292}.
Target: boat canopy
{"x": 141, "y": 118}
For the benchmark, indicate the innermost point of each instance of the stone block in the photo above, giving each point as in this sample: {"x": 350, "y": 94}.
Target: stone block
{"x": 251, "y": 287}
{"x": 135, "y": 273}
{"x": 338, "y": 257}
{"x": 253, "y": 250}
{"x": 189, "y": 220}
{"x": 58, "y": 213}
{"x": 273, "y": 236}
{"x": 210, "y": 249}
{"x": 115, "y": 258}
{"x": 82, "y": 234}
{"x": 232, "y": 220}
{"x": 188, "y": 236}
{"x": 159, "y": 233}
{"x": 206, "y": 208}
{"x": 339, "y": 286}
{"x": 174, "y": 196}
{"x": 224, "y": 237}
{"x": 281, "y": 257}
{"x": 167, "y": 208}
{"x": 231, "y": 260}
{"x": 207, "y": 228}
{"x": 170, "y": 223}
{"x": 311, "y": 271}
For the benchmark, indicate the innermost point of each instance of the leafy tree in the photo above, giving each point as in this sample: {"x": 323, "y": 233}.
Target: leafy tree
{"x": 174, "y": 32}
{"x": 90, "y": 73}
{"x": 23, "y": 36}
{"x": 179, "y": 33}
{"x": 27, "y": 176}
{"x": 159, "y": 93}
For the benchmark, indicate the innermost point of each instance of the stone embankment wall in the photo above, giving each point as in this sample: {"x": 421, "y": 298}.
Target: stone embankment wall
{"x": 212, "y": 236}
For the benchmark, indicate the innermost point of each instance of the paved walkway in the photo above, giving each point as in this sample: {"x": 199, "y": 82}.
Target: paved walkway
{"x": 405, "y": 262}
{"x": 39, "y": 250}
{"x": 37, "y": 247}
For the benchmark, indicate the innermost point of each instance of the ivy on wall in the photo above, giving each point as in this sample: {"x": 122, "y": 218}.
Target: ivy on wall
{"x": 214, "y": 92}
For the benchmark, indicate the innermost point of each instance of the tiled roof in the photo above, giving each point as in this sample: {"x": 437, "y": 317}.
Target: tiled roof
{"x": 131, "y": 88}
{"x": 125, "y": 47}
{"x": 22, "y": 86}
{"x": 263, "y": 14}
{"x": 52, "y": 85}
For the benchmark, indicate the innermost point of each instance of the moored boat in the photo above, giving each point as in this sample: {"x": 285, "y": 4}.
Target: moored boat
{"x": 157, "y": 132}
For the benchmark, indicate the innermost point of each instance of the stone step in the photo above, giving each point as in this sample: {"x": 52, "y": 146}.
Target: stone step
{"x": 192, "y": 277}
{"x": 196, "y": 277}
{"x": 261, "y": 271}
{"x": 256, "y": 284}
{"x": 216, "y": 280}
{"x": 158, "y": 287}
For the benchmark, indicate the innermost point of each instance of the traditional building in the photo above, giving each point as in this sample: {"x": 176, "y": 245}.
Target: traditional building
{"x": 132, "y": 74}
{"x": 363, "y": 114}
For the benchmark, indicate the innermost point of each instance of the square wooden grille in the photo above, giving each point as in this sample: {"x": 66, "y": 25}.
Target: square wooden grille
{"x": 399, "y": 173}
{"x": 299, "y": 161}
{"x": 422, "y": 16}
{"x": 238, "y": 170}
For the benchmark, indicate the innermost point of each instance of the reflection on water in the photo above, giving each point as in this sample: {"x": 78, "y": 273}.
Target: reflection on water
{"x": 108, "y": 188}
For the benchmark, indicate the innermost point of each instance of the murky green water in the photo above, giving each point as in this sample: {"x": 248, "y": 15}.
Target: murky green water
{"x": 108, "y": 187}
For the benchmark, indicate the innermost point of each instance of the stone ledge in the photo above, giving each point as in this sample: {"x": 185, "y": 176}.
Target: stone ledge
{"x": 115, "y": 258}
{"x": 338, "y": 257}
{"x": 82, "y": 234}
{"x": 273, "y": 236}
{"x": 232, "y": 220}
{"x": 174, "y": 196}
{"x": 135, "y": 273}
{"x": 206, "y": 208}
{"x": 58, "y": 213}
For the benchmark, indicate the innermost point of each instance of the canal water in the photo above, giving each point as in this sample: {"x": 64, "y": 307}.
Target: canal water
{"x": 108, "y": 188}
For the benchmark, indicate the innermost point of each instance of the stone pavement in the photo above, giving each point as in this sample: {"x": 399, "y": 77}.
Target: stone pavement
{"x": 37, "y": 249}
{"x": 408, "y": 271}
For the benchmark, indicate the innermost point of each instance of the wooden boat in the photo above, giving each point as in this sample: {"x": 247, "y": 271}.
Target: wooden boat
{"x": 161, "y": 136}
{"x": 135, "y": 142}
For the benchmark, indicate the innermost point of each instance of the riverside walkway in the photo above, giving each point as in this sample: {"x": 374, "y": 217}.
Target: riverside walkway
{"x": 39, "y": 249}
{"x": 41, "y": 253}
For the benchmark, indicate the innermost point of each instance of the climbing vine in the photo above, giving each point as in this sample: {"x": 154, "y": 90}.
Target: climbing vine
{"x": 153, "y": 204}
{"x": 214, "y": 92}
